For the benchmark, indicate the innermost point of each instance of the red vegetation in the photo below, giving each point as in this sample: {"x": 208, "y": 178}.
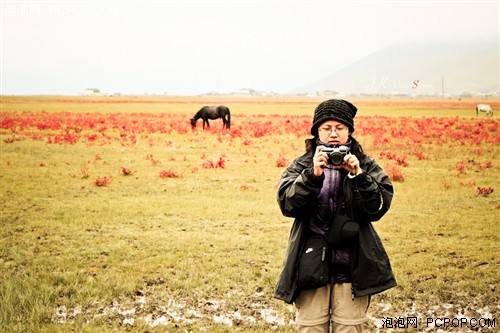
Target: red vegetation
{"x": 399, "y": 139}
{"x": 127, "y": 171}
{"x": 102, "y": 181}
{"x": 169, "y": 174}
{"x": 484, "y": 191}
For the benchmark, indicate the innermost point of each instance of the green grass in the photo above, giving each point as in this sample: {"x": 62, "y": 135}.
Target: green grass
{"x": 209, "y": 245}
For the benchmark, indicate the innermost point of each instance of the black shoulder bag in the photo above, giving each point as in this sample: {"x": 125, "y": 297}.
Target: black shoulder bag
{"x": 343, "y": 229}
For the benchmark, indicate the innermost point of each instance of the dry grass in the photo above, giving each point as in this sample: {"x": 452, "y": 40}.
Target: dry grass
{"x": 201, "y": 251}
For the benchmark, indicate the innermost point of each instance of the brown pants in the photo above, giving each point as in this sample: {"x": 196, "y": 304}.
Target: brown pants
{"x": 315, "y": 308}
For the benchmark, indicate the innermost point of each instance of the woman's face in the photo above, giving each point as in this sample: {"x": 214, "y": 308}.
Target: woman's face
{"x": 333, "y": 132}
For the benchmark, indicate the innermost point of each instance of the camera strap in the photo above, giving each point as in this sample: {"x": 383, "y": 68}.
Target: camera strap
{"x": 342, "y": 229}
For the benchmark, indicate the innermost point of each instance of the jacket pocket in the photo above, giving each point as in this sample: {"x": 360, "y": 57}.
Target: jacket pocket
{"x": 314, "y": 266}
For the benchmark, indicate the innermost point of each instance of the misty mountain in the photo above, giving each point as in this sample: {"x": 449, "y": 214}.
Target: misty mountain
{"x": 420, "y": 68}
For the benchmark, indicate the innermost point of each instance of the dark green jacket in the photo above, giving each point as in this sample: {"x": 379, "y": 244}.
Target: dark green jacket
{"x": 368, "y": 197}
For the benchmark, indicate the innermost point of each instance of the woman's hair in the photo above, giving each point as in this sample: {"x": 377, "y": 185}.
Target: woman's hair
{"x": 356, "y": 148}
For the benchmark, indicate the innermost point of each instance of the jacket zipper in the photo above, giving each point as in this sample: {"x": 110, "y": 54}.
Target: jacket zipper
{"x": 347, "y": 198}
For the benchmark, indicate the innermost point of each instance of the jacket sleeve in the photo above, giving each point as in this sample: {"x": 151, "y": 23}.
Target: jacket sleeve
{"x": 297, "y": 188}
{"x": 371, "y": 193}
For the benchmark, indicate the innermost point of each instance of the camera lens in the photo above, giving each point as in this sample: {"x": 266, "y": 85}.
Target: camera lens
{"x": 336, "y": 158}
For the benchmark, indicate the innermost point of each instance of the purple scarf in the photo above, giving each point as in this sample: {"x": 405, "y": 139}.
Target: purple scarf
{"x": 327, "y": 201}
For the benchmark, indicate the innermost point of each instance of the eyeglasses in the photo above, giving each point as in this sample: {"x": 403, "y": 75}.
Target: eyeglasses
{"x": 329, "y": 130}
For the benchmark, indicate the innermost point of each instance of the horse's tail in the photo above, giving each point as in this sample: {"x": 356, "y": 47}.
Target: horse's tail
{"x": 228, "y": 124}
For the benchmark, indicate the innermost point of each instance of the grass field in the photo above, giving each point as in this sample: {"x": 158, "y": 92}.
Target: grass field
{"x": 118, "y": 216}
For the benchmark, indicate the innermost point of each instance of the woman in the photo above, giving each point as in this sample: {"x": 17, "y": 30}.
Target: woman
{"x": 312, "y": 190}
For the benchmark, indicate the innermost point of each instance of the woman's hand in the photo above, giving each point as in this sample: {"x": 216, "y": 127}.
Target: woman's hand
{"x": 320, "y": 160}
{"x": 351, "y": 164}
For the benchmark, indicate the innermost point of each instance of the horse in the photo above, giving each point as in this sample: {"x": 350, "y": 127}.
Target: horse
{"x": 213, "y": 112}
{"x": 484, "y": 108}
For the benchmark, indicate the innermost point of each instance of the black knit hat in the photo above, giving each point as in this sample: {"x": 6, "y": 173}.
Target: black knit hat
{"x": 334, "y": 109}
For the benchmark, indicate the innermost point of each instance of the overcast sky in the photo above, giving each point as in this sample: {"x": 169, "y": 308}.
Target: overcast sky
{"x": 184, "y": 47}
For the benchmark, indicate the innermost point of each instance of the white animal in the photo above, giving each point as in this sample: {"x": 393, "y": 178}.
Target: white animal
{"x": 484, "y": 108}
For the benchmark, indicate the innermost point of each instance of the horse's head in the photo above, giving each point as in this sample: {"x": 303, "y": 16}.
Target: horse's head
{"x": 193, "y": 122}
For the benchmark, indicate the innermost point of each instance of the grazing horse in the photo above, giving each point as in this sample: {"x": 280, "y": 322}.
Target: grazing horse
{"x": 484, "y": 108}
{"x": 213, "y": 112}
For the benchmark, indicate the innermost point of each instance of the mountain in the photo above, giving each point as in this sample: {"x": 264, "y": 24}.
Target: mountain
{"x": 419, "y": 68}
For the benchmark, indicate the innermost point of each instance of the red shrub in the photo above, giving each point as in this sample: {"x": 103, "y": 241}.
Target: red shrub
{"x": 221, "y": 163}
{"x": 420, "y": 155}
{"x": 402, "y": 160}
{"x": 484, "y": 191}
{"x": 281, "y": 161}
{"x": 152, "y": 159}
{"x": 169, "y": 174}
{"x": 127, "y": 171}
{"x": 102, "y": 181}
{"x": 461, "y": 166}
{"x": 394, "y": 172}
{"x": 208, "y": 164}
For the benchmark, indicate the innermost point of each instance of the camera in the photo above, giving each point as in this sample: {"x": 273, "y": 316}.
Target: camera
{"x": 336, "y": 155}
